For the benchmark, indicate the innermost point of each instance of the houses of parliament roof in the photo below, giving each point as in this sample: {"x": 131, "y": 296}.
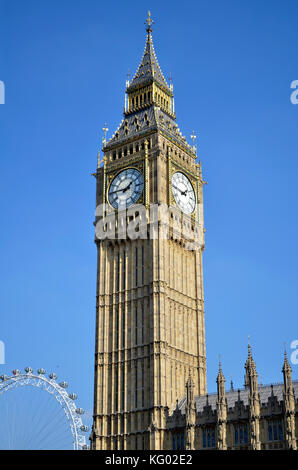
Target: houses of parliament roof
{"x": 240, "y": 396}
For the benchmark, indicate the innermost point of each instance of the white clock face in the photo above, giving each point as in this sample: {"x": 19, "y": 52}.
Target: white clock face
{"x": 183, "y": 193}
{"x": 126, "y": 188}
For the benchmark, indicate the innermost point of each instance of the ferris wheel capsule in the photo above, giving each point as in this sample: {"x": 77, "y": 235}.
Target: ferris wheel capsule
{"x": 28, "y": 370}
{"x": 63, "y": 384}
{"x": 52, "y": 376}
{"x": 16, "y": 372}
{"x": 84, "y": 428}
{"x": 41, "y": 371}
{"x": 73, "y": 396}
{"x": 85, "y": 447}
{"x": 3, "y": 378}
{"x": 80, "y": 411}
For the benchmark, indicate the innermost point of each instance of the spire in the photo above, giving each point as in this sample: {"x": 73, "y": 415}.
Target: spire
{"x": 232, "y": 385}
{"x": 250, "y": 368}
{"x": 287, "y": 372}
{"x": 251, "y": 383}
{"x": 289, "y": 405}
{"x": 286, "y": 369}
{"x": 149, "y": 69}
{"x": 221, "y": 406}
{"x": 220, "y": 382}
{"x": 190, "y": 390}
{"x": 190, "y": 413}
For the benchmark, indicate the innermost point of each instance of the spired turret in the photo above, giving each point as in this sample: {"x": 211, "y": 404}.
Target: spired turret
{"x": 149, "y": 87}
{"x": 289, "y": 405}
{"x": 221, "y": 406}
{"x": 190, "y": 414}
{"x": 149, "y": 103}
{"x": 251, "y": 382}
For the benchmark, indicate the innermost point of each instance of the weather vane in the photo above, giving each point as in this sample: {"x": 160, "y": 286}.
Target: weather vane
{"x": 149, "y": 22}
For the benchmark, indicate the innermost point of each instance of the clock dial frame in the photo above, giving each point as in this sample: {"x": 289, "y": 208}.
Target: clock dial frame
{"x": 183, "y": 192}
{"x": 125, "y": 188}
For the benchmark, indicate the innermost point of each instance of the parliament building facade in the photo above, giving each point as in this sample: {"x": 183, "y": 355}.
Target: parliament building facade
{"x": 150, "y": 387}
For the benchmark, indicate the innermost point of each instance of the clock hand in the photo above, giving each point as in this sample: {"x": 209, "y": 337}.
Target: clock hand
{"x": 182, "y": 192}
{"x": 127, "y": 187}
{"x": 121, "y": 189}
{"x": 116, "y": 191}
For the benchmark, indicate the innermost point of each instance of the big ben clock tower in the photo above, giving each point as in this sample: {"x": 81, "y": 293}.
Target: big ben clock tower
{"x": 150, "y": 331}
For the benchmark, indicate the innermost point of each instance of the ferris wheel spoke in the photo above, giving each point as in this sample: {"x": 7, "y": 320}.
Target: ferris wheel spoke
{"x": 43, "y": 419}
{"x": 53, "y": 426}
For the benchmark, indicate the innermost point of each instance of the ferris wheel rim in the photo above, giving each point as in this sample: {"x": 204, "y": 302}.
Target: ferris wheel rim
{"x": 36, "y": 380}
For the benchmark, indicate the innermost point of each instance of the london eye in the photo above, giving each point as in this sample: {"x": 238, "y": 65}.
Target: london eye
{"x": 39, "y": 413}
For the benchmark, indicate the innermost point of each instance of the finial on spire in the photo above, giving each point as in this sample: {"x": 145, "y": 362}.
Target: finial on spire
{"x": 104, "y": 139}
{"x": 149, "y": 22}
{"x": 170, "y": 81}
{"x": 128, "y": 77}
{"x": 232, "y": 385}
{"x": 193, "y": 137}
{"x": 249, "y": 347}
{"x": 286, "y": 362}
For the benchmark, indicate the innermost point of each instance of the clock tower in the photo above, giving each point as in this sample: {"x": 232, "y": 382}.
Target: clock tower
{"x": 150, "y": 331}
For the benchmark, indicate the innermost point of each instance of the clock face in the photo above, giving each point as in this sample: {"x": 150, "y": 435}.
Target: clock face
{"x": 183, "y": 192}
{"x": 126, "y": 188}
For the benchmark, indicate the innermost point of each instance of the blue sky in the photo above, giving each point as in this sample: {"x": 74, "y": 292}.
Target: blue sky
{"x": 64, "y": 64}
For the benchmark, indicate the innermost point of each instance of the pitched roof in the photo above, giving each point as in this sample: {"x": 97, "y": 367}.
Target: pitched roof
{"x": 148, "y": 119}
{"x": 149, "y": 68}
{"x": 232, "y": 397}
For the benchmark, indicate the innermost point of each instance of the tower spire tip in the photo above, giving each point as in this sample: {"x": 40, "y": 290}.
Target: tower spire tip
{"x": 149, "y": 23}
